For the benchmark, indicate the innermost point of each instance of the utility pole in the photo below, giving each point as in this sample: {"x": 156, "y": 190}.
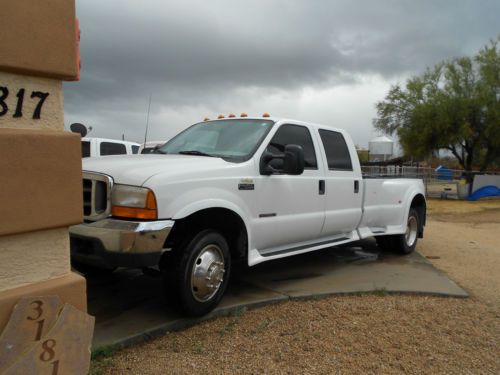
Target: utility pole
{"x": 147, "y": 119}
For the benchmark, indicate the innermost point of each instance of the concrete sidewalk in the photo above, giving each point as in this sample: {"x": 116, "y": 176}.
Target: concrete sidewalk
{"x": 129, "y": 306}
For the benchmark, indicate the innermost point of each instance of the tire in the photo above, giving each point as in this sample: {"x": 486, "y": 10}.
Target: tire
{"x": 402, "y": 243}
{"x": 196, "y": 275}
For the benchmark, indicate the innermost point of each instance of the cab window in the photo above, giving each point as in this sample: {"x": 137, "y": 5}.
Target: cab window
{"x": 111, "y": 148}
{"x": 85, "y": 149}
{"x": 294, "y": 135}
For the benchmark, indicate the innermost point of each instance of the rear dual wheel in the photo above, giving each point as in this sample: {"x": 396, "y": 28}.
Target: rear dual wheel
{"x": 197, "y": 274}
{"x": 402, "y": 243}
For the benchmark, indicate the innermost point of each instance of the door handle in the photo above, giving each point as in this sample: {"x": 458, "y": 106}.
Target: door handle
{"x": 321, "y": 187}
{"x": 356, "y": 186}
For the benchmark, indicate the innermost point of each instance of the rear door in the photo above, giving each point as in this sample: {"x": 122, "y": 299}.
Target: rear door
{"x": 342, "y": 184}
{"x": 290, "y": 209}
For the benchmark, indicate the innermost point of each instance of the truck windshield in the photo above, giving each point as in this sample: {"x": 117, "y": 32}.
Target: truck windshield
{"x": 233, "y": 140}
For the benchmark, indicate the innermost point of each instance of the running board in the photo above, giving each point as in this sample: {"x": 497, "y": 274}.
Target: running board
{"x": 298, "y": 248}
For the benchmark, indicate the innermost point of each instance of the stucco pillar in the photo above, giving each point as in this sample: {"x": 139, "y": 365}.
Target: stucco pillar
{"x": 40, "y": 163}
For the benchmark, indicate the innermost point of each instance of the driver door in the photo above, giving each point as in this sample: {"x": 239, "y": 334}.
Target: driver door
{"x": 290, "y": 209}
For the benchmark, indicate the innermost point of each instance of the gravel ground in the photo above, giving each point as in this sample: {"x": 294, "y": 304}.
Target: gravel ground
{"x": 358, "y": 334}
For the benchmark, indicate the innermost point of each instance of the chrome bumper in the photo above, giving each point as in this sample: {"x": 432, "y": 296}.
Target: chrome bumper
{"x": 125, "y": 237}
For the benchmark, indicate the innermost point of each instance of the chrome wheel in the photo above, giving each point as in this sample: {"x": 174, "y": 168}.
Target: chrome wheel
{"x": 411, "y": 231}
{"x": 208, "y": 273}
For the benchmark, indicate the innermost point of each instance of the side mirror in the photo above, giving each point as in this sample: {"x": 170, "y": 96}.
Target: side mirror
{"x": 291, "y": 162}
{"x": 294, "y": 160}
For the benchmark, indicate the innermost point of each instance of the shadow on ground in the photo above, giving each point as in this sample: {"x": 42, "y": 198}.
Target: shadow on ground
{"x": 129, "y": 306}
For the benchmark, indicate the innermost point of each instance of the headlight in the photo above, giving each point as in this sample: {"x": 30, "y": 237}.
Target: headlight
{"x": 133, "y": 202}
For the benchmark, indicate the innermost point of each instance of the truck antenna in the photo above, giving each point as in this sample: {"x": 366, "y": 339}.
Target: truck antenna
{"x": 147, "y": 119}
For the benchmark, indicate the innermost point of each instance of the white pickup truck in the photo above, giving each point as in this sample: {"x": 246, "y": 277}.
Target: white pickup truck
{"x": 252, "y": 189}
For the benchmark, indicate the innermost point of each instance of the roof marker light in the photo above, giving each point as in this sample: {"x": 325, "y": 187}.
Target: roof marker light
{"x": 221, "y": 116}
{"x": 266, "y": 114}
{"x": 243, "y": 114}
{"x": 206, "y": 119}
{"x": 231, "y": 115}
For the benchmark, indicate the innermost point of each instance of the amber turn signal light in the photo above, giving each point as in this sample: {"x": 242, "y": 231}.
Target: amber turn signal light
{"x": 134, "y": 213}
{"x": 149, "y": 212}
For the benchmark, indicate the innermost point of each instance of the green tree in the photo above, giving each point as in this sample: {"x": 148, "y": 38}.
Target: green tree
{"x": 454, "y": 106}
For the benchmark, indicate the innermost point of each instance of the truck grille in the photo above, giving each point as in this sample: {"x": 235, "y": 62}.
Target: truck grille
{"x": 96, "y": 194}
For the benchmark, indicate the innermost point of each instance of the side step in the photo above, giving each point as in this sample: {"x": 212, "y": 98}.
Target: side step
{"x": 303, "y": 247}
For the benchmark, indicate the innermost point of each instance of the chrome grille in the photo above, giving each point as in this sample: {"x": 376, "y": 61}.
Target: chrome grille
{"x": 96, "y": 196}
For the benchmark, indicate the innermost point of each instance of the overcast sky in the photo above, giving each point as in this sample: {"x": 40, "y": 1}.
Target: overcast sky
{"x": 324, "y": 61}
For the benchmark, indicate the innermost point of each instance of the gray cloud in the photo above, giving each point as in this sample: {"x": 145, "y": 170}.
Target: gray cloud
{"x": 206, "y": 56}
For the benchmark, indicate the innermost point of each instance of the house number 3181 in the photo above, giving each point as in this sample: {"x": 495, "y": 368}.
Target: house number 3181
{"x": 4, "y": 108}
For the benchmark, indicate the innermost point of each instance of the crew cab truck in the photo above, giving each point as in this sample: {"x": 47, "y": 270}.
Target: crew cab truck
{"x": 252, "y": 189}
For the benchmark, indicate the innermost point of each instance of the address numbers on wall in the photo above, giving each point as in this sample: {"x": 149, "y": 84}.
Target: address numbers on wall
{"x": 38, "y": 96}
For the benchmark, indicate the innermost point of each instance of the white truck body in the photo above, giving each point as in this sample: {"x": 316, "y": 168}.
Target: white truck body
{"x": 96, "y": 147}
{"x": 282, "y": 214}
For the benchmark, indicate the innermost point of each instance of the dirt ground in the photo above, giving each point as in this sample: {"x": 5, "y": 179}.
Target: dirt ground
{"x": 374, "y": 333}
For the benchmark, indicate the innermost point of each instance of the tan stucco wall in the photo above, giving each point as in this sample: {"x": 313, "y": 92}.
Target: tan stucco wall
{"x": 52, "y": 114}
{"x": 38, "y": 50}
{"x": 41, "y": 179}
{"x": 38, "y": 37}
{"x": 32, "y": 257}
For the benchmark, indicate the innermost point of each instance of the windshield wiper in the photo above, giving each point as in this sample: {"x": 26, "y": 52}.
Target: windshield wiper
{"x": 195, "y": 152}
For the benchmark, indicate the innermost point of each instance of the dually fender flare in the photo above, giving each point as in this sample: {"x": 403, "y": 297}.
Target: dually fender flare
{"x": 412, "y": 193}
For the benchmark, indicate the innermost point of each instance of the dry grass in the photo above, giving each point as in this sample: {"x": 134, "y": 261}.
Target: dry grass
{"x": 438, "y": 207}
{"x": 359, "y": 334}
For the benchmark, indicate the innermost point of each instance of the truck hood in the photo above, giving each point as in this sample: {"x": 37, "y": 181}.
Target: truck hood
{"x": 137, "y": 169}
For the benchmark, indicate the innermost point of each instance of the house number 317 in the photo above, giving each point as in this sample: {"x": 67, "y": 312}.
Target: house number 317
{"x": 4, "y": 108}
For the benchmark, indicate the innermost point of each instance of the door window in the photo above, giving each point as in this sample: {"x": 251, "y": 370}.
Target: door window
{"x": 337, "y": 153}
{"x": 294, "y": 135}
{"x": 135, "y": 149}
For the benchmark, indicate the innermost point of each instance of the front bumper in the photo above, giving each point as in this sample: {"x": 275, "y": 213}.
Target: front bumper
{"x": 119, "y": 243}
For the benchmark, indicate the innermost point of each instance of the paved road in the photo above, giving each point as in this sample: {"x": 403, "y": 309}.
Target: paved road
{"x": 129, "y": 306}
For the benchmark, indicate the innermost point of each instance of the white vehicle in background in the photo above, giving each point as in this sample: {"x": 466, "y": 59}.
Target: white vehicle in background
{"x": 150, "y": 147}
{"x": 95, "y": 147}
{"x": 251, "y": 189}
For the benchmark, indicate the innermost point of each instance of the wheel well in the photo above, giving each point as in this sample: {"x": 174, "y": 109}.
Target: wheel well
{"x": 418, "y": 203}
{"x": 225, "y": 221}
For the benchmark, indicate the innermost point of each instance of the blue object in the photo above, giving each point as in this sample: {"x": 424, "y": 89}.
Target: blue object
{"x": 485, "y": 191}
{"x": 444, "y": 173}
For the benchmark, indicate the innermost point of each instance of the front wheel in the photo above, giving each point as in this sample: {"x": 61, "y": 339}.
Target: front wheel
{"x": 402, "y": 243}
{"x": 198, "y": 274}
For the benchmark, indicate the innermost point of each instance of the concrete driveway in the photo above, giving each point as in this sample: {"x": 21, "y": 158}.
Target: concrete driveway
{"x": 129, "y": 305}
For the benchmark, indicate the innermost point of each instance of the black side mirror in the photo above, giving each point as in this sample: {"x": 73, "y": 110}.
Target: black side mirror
{"x": 291, "y": 162}
{"x": 294, "y": 160}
